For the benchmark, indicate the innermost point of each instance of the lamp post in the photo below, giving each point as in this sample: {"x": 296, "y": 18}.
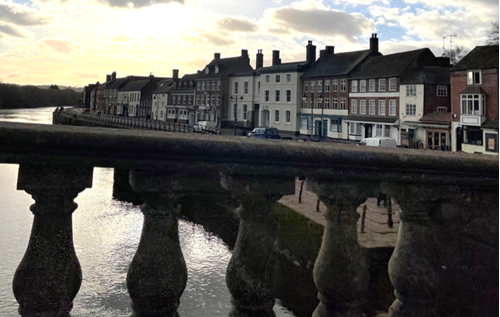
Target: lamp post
{"x": 304, "y": 99}
{"x": 235, "y": 110}
{"x": 320, "y": 99}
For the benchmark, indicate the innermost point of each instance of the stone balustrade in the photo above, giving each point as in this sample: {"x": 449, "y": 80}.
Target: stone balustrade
{"x": 448, "y": 201}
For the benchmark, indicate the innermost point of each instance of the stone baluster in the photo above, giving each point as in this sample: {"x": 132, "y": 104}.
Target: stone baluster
{"x": 249, "y": 265}
{"x": 49, "y": 275}
{"x": 341, "y": 271}
{"x": 157, "y": 274}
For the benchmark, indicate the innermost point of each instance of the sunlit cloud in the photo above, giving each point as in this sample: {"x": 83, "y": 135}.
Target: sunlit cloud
{"x": 236, "y": 24}
{"x": 60, "y": 45}
{"x": 137, "y": 3}
{"x": 20, "y": 15}
{"x": 15, "y": 75}
{"x": 10, "y": 30}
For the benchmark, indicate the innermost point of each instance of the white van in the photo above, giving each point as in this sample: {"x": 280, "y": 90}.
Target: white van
{"x": 378, "y": 142}
{"x": 204, "y": 125}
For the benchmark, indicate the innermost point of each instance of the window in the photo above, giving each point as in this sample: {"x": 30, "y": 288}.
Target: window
{"x": 474, "y": 77}
{"x": 379, "y": 130}
{"x": 473, "y": 135}
{"x": 216, "y": 69}
{"x": 334, "y": 85}
{"x": 392, "y": 84}
{"x": 268, "y": 79}
{"x": 372, "y": 107}
{"x": 382, "y": 85}
{"x": 288, "y": 95}
{"x": 304, "y": 123}
{"x": 258, "y": 88}
{"x": 306, "y": 86}
{"x": 235, "y": 90}
{"x": 277, "y": 79}
{"x": 276, "y": 116}
{"x": 354, "y": 106}
{"x": 288, "y": 78}
{"x": 203, "y": 85}
{"x": 334, "y": 103}
{"x": 320, "y": 86}
{"x": 245, "y": 87}
{"x": 336, "y": 125}
{"x": 362, "y": 107}
{"x": 411, "y": 90}
{"x": 392, "y": 107}
{"x": 442, "y": 91}
{"x": 245, "y": 112}
{"x": 342, "y": 84}
{"x": 266, "y": 95}
{"x": 342, "y": 103}
{"x": 362, "y": 85}
{"x": 473, "y": 104}
{"x": 213, "y": 85}
{"x": 312, "y": 86}
{"x": 411, "y": 109}
{"x": 371, "y": 85}
{"x": 441, "y": 109}
{"x": 381, "y": 107}
{"x": 171, "y": 114}
{"x": 277, "y": 95}
{"x": 387, "y": 131}
{"x": 327, "y": 86}
{"x": 355, "y": 128}
{"x": 218, "y": 85}
{"x": 327, "y": 103}
{"x": 288, "y": 116}
{"x": 354, "y": 86}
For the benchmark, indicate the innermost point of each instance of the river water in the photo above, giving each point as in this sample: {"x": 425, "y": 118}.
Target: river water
{"x": 106, "y": 235}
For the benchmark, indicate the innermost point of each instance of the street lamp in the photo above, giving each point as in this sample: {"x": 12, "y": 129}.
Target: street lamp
{"x": 235, "y": 110}
{"x": 320, "y": 100}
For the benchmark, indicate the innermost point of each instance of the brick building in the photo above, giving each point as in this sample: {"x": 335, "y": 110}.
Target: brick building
{"x": 474, "y": 101}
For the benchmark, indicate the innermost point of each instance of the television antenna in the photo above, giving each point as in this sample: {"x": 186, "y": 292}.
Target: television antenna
{"x": 451, "y": 41}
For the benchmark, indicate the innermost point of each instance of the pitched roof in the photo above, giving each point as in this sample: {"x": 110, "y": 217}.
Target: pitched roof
{"x": 222, "y": 63}
{"x": 340, "y": 64}
{"x": 490, "y": 124}
{"x": 285, "y": 67}
{"x": 135, "y": 85}
{"x": 392, "y": 65}
{"x": 365, "y": 118}
{"x": 163, "y": 86}
{"x": 433, "y": 75}
{"x": 437, "y": 117}
{"x": 480, "y": 57}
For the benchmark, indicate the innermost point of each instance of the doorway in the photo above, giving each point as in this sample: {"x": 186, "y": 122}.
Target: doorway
{"x": 368, "y": 130}
{"x": 264, "y": 118}
{"x": 325, "y": 128}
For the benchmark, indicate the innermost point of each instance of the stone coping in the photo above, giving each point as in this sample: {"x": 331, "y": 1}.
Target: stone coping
{"x": 138, "y": 149}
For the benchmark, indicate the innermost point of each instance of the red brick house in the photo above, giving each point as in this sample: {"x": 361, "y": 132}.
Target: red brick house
{"x": 474, "y": 101}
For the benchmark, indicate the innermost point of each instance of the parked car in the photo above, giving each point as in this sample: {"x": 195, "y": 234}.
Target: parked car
{"x": 264, "y": 133}
{"x": 378, "y": 142}
{"x": 204, "y": 125}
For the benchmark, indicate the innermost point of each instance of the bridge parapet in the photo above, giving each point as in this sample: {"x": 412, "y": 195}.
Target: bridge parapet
{"x": 449, "y": 204}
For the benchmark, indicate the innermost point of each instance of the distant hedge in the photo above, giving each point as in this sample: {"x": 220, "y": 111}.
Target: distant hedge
{"x": 15, "y": 96}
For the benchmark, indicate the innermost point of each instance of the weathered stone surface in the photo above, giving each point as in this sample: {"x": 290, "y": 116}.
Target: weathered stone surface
{"x": 49, "y": 276}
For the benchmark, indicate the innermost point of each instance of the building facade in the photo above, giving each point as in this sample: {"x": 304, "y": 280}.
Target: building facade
{"x": 325, "y": 91}
{"x": 474, "y": 100}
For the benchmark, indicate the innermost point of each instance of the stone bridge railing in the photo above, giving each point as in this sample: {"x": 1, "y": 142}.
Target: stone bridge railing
{"x": 445, "y": 262}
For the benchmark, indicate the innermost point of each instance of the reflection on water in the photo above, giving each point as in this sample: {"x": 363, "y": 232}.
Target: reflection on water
{"x": 36, "y": 115}
{"x": 106, "y": 235}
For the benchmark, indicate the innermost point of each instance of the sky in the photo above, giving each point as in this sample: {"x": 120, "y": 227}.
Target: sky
{"x": 77, "y": 42}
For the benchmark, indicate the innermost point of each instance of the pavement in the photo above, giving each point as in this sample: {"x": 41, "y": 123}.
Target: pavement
{"x": 375, "y": 233}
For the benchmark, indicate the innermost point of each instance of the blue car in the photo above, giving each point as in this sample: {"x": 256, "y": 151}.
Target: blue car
{"x": 265, "y": 133}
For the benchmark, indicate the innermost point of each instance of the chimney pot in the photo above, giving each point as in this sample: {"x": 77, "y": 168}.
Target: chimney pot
{"x": 259, "y": 60}
{"x": 216, "y": 55}
{"x": 175, "y": 74}
{"x": 374, "y": 43}
{"x": 276, "y": 57}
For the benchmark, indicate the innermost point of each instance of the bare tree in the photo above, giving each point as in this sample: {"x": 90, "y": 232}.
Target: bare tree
{"x": 455, "y": 54}
{"x": 493, "y": 34}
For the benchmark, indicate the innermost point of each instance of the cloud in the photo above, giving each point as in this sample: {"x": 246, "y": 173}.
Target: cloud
{"x": 11, "y": 31}
{"x": 311, "y": 17}
{"x": 20, "y": 15}
{"x": 136, "y": 4}
{"x": 359, "y": 2}
{"x": 16, "y": 74}
{"x": 61, "y": 45}
{"x": 236, "y": 25}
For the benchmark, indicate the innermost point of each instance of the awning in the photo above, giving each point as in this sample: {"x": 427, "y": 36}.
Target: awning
{"x": 319, "y": 116}
{"x": 389, "y": 120}
{"x": 432, "y": 125}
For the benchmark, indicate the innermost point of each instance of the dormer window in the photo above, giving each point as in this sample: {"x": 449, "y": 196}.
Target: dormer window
{"x": 206, "y": 70}
{"x": 474, "y": 77}
{"x": 216, "y": 69}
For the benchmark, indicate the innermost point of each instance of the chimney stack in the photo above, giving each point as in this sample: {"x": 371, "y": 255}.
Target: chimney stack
{"x": 310, "y": 52}
{"x": 175, "y": 74}
{"x": 276, "y": 58}
{"x": 259, "y": 60}
{"x": 244, "y": 53}
{"x": 374, "y": 43}
{"x": 216, "y": 55}
{"x": 113, "y": 76}
{"x": 322, "y": 53}
{"x": 330, "y": 50}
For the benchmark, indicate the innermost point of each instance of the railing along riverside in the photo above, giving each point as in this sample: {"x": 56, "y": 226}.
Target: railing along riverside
{"x": 449, "y": 204}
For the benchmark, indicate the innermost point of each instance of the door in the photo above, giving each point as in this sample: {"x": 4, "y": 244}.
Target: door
{"x": 460, "y": 137}
{"x": 325, "y": 128}
{"x": 191, "y": 119}
{"x": 368, "y": 130}
{"x": 317, "y": 127}
{"x": 265, "y": 118}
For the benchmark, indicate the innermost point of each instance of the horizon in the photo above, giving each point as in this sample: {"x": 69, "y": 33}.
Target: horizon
{"x": 76, "y": 43}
